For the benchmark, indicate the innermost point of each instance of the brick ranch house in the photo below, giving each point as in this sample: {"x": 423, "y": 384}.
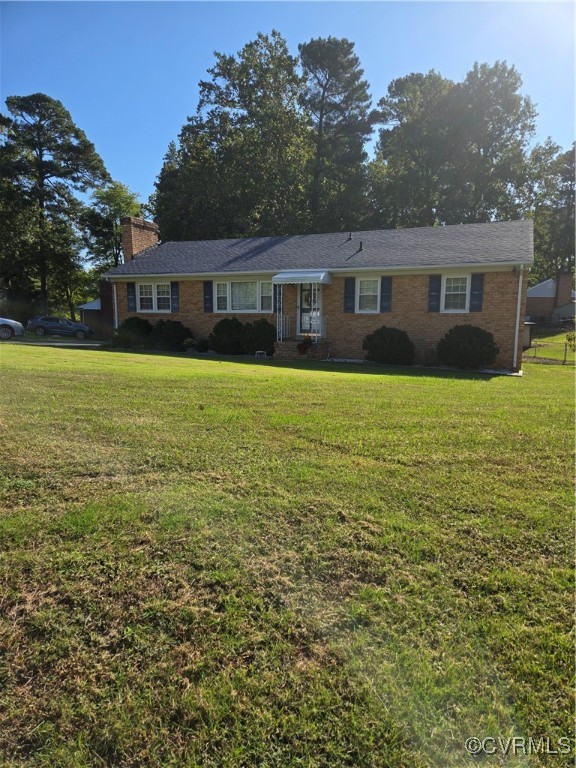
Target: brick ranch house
{"x": 335, "y": 288}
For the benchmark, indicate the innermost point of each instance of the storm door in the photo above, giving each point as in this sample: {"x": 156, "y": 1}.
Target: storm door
{"x": 309, "y": 310}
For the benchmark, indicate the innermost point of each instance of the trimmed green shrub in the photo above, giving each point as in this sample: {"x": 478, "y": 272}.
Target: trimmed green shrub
{"x": 134, "y": 332}
{"x": 169, "y": 335}
{"x": 259, "y": 335}
{"x": 226, "y": 337}
{"x": 203, "y": 345}
{"x": 467, "y": 346}
{"x": 389, "y": 345}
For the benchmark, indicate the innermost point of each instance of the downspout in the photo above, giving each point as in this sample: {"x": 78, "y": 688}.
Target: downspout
{"x": 115, "y": 306}
{"x": 518, "y": 308}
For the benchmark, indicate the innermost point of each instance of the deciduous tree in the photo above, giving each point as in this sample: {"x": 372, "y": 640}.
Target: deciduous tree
{"x": 240, "y": 168}
{"x": 554, "y": 212}
{"x": 490, "y": 127}
{"x": 101, "y": 224}
{"x": 453, "y": 152}
{"x": 407, "y": 177}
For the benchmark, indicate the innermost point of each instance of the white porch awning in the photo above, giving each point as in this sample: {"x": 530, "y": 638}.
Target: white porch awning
{"x": 299, "y": 276}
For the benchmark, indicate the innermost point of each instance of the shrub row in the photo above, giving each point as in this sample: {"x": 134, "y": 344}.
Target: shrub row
{"x": 464, "y": 346}
{"x": 139, "y": 333}
{"x": 229, "y": 336}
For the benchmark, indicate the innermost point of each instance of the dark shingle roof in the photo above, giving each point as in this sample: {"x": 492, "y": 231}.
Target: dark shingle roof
{"x": 494, "y": 243}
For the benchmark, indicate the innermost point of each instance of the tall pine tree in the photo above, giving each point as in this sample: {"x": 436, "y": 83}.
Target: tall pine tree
{"x": 46, "y": 159}
{"x": 338, "y": 101}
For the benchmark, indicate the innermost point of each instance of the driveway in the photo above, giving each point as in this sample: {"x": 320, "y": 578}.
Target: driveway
{"x": 55, "y": 341}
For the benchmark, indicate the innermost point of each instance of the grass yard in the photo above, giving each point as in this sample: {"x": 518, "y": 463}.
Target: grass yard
{"x": 551, "y": 346}
{"x": 230, "y": 563}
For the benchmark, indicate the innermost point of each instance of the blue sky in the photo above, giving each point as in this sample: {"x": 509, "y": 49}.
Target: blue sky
{"x": 128, "y": 71}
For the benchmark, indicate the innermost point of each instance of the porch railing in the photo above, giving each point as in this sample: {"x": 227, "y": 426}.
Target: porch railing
{"x": 284, "y": 327}
{"x": 287, "y": 328}
{"x": 317, "y": 329}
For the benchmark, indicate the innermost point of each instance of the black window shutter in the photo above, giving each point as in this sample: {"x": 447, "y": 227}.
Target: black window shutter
{"x": 434, "y": 292}
{"x": 131, "y": 297}
{"x": 208, "y": 296}
{"x": 349, "y": 294}
{"x": 276, "y": 291}
{"x": 476, "y": 292}
{"x": 175, "y": 297}
{"x": 386, "y": 294}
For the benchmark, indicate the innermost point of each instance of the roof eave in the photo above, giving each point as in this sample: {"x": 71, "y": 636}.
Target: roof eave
{"x": 422, "y": 268}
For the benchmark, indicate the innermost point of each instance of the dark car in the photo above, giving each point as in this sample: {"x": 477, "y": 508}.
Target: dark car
{"x": 59, "y": 326}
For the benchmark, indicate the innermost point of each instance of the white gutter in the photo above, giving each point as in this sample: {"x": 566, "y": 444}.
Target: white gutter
{"x": 115, "y": 305}
{"x": 518, "y": 308}
{"x": 424, "y": 269}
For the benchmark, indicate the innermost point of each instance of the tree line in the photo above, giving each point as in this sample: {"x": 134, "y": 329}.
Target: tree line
{"x": 278, "y": 145}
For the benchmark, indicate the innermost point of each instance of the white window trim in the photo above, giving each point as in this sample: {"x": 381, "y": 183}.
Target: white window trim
{"x": 154, "y": 310}
{"x": 357, "y": 309}
{"x": 466, "y": 309}
{"x": 229, "y": 310}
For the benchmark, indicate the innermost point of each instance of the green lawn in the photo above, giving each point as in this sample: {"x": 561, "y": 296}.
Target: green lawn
{"x": 234, "y": 563}
{"x": 551, "y": 346}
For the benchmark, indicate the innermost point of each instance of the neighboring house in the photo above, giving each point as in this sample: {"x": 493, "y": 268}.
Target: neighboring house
{"x": 90, "y": 312}
{"x": 98, "y": 314}
{"x": 336, "y": 288}
{"x": 551, "y": 300}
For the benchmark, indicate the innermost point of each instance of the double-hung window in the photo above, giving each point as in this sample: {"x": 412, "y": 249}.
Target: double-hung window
{"x": 368, "y": 296}
{"x": 266, "y": 302}
{"x": 455, "y": 293}
{"x": 154, "y": 297}
{"x": 244, "y": 296}
{"x": 221, "y": 297}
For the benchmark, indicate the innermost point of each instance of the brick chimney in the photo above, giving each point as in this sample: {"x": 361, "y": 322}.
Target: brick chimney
{"x": 563, "y": 289}
{"x": 137, "y": 235}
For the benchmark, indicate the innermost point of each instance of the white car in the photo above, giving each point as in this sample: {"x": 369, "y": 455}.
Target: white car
{"x": 9, "y": 328}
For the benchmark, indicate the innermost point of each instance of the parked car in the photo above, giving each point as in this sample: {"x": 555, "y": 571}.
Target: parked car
{"x": 59, "y": 326}
{"x": 9, "y": 328}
